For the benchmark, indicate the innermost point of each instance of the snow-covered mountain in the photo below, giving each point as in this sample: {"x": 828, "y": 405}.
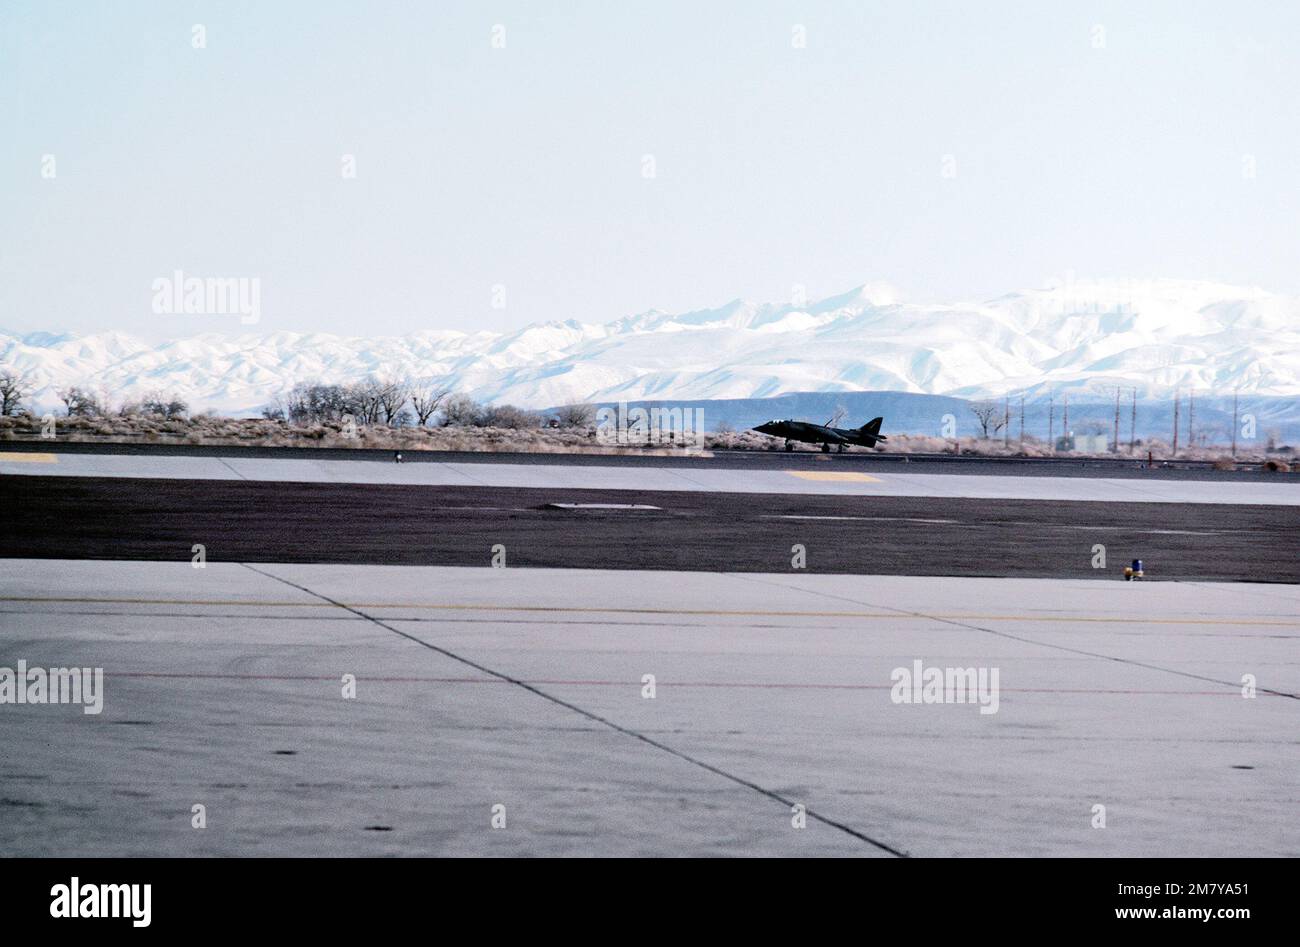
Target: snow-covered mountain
{"x": 1081, "y": 335}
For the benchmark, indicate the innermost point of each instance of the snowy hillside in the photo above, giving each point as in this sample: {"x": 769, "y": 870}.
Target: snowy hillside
{"x": 1154, "y": 335}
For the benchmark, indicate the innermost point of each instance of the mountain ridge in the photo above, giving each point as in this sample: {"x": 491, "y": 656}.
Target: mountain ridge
{"x": 1073, "y": 336}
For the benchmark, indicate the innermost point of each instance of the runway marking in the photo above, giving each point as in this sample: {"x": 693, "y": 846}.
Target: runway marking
{"x": 594, "y": 717}
{"x": 225, "y": 463}
{"x": 703, "y": 685}
{"x": 1089, "y": 528}
{"x": 715, "y": 612}
{"x": 28, "y": 458}
{"x": 868, "y": 519}
{"x": 497, "y": 620}
{"x": 1007, "y": 524}
{"x": 1044, "y": 644}
{"x": 602, "y": 506}
{"x": 839, "y": 476}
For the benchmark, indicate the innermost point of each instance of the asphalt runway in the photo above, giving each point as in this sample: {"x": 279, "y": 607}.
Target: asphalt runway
{"x": 251, "y": 521}
{"x": 815, "y": 475}
{"x": 526, "y": 689}
{"x": 1119, "y": 466}
{"x": 1171, "y": 705}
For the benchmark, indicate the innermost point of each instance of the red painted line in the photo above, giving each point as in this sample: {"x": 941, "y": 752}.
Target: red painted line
{"x": 755, "y": 685}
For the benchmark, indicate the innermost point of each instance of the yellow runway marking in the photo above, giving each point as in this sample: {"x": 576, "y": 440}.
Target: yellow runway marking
{"x": 840, "y": 476}
{"x": 19, "y": 457}
{"x": 1118, "y": 619}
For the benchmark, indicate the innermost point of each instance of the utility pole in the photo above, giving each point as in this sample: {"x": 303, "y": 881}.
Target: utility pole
{"x": 1065, "y": 419}
{"x": 1191, "y": 418}
{"x": 1006, "y": 420}
{"x": 1133, "y": 423}
{"x": 1051, "y": 421}
{"x": 1175, "y": 447}
{"x": 1114, "y": 444}
{"x": 1234, "y": 423}
{"x": 1022, "y": 422}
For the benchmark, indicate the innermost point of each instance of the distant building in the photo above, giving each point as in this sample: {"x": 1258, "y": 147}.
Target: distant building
{"x": 1084, "y": 443}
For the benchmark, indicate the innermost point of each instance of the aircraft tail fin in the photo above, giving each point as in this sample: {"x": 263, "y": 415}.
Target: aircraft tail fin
{"x": 871, "y": 431}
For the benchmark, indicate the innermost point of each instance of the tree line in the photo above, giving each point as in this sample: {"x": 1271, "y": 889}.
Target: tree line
{"x": 81, "y": 402}
{"x": 395, "y": 402}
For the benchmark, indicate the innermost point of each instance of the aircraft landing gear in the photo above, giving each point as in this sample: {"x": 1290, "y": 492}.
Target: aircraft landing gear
{"x": 826, "y": 448}
{"x": 789, "y": 445}
{"x": 841, "y": 450}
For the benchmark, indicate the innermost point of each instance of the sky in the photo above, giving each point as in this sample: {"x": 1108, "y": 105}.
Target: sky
{"x": 523, "y": 162}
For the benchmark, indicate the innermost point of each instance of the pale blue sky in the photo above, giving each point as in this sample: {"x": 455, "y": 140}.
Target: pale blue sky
{"x": 522, "y": 166}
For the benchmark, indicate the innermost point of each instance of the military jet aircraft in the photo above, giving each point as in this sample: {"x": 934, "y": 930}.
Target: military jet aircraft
{"x": 824, "y": 434}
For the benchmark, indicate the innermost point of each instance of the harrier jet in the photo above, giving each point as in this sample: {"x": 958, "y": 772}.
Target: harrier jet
{"x": 824, "y": 434}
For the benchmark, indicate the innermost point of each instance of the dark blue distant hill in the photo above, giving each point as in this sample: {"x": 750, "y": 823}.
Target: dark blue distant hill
{"x": 924, "y": 414}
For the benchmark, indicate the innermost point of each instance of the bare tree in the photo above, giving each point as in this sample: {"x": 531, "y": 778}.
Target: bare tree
{"x": 370, "y": 401}
{"x": 508, "y": 416}
{"x": 578, "y": 414}
{"x": 426, "y": 398}
{"x": 990, "y": 416}
{"x": 362, "y": 400}
{"x": 81, "y": 403}
{"x": 390, "y": 399}
{"x": 164, "y": 406}
{"x": 313, "y": 403}
{"x": 461, "y": 411}
{"x": 14, "y": 387}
